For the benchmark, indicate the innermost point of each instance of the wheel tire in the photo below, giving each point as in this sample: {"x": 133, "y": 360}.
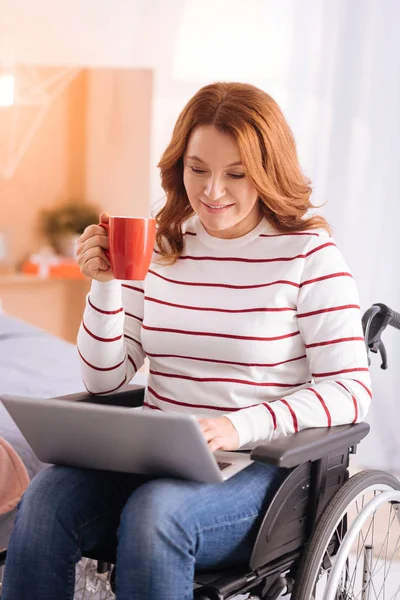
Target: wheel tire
{"x": 314, "y": 552}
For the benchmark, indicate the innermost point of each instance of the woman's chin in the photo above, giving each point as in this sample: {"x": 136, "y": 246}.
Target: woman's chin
{"x": 219, "y": 228}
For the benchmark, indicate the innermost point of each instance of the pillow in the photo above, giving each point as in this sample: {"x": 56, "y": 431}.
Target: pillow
{"x": 14, "y": 478}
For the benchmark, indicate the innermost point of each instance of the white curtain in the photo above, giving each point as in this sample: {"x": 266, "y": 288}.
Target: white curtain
{"x": 334, "y": 67}
{"x": 345, "y": 111}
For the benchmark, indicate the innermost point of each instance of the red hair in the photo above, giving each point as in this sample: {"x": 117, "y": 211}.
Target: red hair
{"x": 268, "y": 152}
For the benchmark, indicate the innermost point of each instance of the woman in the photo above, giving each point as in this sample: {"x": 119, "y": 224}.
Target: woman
{"x": 250, "y": 319}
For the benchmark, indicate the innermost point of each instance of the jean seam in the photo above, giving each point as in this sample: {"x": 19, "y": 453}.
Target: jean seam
{"x": 75, "y": 535}
{"x": 227, "y": 524}
{"x": 71, "y": 577}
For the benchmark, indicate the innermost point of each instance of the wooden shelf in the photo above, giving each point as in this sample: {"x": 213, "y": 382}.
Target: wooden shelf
{"x": 51, "y": 303}
{"x": 12, "y": 278}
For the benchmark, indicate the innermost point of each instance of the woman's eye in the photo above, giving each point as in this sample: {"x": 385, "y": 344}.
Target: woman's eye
{"x": 236, "y": 175}
{"x": 197, "y": 171}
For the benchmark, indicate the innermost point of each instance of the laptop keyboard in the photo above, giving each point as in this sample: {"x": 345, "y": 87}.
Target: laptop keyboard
{"x": 223, "y": 465}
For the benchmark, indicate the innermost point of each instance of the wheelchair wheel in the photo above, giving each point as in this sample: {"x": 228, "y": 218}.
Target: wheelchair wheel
{"x": 354, "y": 552}
{"x": 90, "y": 584}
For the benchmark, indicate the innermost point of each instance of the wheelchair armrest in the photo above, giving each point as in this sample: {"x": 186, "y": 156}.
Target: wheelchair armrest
{"x": 132, "y": 396}
{"x": 309, "y": 445}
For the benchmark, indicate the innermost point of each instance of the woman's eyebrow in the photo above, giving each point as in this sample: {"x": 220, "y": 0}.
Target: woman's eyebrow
{"x": 235, "y": 164}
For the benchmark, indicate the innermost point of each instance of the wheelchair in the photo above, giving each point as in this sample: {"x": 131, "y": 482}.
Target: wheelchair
{"x": 326, "y": 535}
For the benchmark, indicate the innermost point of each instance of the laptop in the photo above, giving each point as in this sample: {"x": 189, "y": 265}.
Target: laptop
{"x": 116, "y": 438}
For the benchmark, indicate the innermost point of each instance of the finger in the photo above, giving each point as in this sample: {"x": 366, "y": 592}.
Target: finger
{"x": 203, "y": 424}
{"x": 96, "y": 240}
{"x": 95, "y": 264}
{"x": 93, "y": 253}
{"x": 216, "y": 443}
{"x": 207, "y": 423}
{"x": 91, "y": 231}
{"x": 209, "y": 431}
{"x": 104, "y": 217}
{"x": 208, "y": 435}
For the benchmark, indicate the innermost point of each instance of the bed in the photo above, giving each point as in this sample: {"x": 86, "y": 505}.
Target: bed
{"x": 33, "y": 363}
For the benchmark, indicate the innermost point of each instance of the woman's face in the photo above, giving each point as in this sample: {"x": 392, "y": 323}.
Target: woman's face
{"x": 216, "y": 184}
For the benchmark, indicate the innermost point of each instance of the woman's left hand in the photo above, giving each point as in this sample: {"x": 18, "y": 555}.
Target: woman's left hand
{"x": 220, "y": 433}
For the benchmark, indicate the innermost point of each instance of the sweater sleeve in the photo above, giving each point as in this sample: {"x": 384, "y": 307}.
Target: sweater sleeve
{"x": 329, "y": 321}
{"x": 109, "y": 337}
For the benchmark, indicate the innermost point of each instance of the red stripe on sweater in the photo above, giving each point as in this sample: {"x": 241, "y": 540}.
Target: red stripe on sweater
{"x": 354, "y": 400}
{"x": 326, "y": 245}
{"x": 273, "y": 415}
{"x": 326, "y": 310}
{"x": 294, "y": 418}
{"x": 271, "y": 235}
{"x": 320, "y": 398}
{"x": 104, "y": 312}
{"x": 152, "y": 406}
{"x": 132, "y": 362}
{"x": 227, "y": 380}
{"x": 338, "y": 341}
{"x": 179, "y": 403}
{"x": 223, "y": 310}
{"x": 99, "y": 368}
{"x": 108, "y": 391}
{"x": 225, "y": 285}
{"x": 226, "y": 362}
{"x": 242, "y": 260}
{"x": 132, "y": 287}
{"x": 365, "y": 387}
{"x": 253, "y": 260}
{"x": 222, "y": 335}
{"x": 134, "y": 317}
{"x": 324, "y": 277}
{"x": 128, "y": 337}
{"x": 340, "y": 372}
{"x": 205, "y": 406}
{"x": 99, "y": 339}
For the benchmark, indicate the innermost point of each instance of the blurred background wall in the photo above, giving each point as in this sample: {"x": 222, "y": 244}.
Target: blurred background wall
{"x": 93, "y": 145}
{"x": 333, "y": 66}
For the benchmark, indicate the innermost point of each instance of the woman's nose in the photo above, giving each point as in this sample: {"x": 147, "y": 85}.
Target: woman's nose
{"x": 214, "y": 189}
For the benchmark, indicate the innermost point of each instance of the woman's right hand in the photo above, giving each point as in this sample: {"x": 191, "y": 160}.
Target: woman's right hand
{"x": 90, "y": 253}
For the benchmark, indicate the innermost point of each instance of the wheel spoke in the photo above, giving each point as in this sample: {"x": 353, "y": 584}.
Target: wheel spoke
{"x": 383, "y": 566}
{"x": 350, "y": 510}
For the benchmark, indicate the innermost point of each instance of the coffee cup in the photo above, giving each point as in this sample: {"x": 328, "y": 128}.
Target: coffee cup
{"x": 130, "y": 246}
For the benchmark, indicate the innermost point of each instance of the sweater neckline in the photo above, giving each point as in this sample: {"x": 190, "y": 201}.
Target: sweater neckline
{"x": 264, "y": 226}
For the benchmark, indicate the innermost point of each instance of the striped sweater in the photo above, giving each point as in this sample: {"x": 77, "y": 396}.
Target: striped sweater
{"x": 264, "y": 329}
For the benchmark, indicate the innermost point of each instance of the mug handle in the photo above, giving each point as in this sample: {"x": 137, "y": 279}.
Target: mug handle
{"x": 106, "y": 226}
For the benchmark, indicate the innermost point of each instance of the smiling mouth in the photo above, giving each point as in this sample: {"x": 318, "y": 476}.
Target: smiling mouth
{"x": 216, "y": 207}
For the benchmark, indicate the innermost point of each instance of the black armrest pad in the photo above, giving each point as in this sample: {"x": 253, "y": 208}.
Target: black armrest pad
{"x": 131, "y": 396}
{"x": 309, "y": 444}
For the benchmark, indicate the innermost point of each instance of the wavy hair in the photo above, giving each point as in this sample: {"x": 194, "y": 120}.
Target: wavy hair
{"x": 268, "y": 152}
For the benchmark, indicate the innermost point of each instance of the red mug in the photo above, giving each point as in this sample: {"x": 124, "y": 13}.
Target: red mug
{"x": 131, "y": 244}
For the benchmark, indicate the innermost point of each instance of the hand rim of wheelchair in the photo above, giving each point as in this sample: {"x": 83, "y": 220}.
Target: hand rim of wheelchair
{"x": 392, "y": 497}
{"x": 311, "y": 565}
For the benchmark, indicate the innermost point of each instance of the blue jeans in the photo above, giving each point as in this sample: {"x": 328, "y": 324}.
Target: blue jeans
{"x": 163, "y": 529}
